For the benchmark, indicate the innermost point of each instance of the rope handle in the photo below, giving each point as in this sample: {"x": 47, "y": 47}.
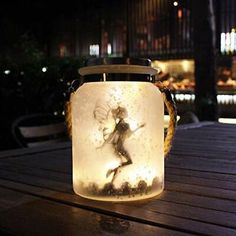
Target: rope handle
{"x": 171, "y": 109}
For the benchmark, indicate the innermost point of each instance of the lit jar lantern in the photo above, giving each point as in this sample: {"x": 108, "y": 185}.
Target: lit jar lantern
{"x": 118, "y": 131}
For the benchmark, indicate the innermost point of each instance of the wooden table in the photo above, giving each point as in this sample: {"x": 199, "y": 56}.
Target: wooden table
{"x": 36, "y": 196}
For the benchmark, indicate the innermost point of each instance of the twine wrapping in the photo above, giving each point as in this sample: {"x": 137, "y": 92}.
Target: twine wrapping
{"x": 172, "y": 111}
{"x": 68, "y": 113}
{"x": 68, "y": 118}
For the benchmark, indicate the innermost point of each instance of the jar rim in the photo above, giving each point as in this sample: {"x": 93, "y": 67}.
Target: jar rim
{"x": 118, "y": 68}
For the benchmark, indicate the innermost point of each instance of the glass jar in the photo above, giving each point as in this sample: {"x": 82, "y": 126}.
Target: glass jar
{"x": 117, "y": 131}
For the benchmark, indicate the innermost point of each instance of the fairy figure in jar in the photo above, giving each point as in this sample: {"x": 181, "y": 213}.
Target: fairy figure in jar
{"x": 116, "y": 133}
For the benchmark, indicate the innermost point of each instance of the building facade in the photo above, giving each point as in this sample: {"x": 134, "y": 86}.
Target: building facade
{"x": 150, "y": 28}
{"x": 157, "y": 29}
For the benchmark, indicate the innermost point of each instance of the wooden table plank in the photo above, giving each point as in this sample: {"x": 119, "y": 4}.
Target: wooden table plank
{"x": 201, "y": 174}
{"x": 201, "y": 190}
{"x": 202, "y": 165}
{"x": 198, "y": 201}
{"x": 29, "y": 151}
{"x": 136, "y": 213}
{"x": 218, "y": 184}
{"x": 36, "y": 216}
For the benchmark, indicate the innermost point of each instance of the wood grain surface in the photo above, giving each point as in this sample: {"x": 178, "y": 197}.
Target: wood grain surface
{"x": 36, "y": 196}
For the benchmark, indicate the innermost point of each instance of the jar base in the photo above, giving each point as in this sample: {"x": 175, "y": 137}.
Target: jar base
{"x": 122, "y": 198}
{"x": 124, "y": 193}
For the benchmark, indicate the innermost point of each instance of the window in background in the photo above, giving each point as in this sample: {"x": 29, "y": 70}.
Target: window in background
{"x": 94, "y": 50}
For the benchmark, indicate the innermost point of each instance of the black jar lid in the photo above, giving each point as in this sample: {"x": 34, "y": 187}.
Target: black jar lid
{"x": 117, "y": 61}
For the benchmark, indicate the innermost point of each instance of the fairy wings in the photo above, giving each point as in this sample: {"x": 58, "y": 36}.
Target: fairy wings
{"x": 103, "y": 114}
{"x": 112, "y": 122}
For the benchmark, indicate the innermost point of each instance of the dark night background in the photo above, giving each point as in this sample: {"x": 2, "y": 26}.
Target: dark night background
{"x": 32, "y": 18}
{"x": 26, "y": 29}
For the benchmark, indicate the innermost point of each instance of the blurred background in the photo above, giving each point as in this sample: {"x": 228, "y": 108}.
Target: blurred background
{"x": 44, "y": 43}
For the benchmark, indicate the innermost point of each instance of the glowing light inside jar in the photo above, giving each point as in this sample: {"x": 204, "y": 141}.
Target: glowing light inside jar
{"x": 117, "y": 130}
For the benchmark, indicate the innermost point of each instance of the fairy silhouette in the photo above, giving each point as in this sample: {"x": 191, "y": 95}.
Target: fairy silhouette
{"x": 115, "y": 131}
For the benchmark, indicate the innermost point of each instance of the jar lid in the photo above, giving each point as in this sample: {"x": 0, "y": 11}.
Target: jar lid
{"x": 117, "y": 61}
{"x": 118, "y": 65}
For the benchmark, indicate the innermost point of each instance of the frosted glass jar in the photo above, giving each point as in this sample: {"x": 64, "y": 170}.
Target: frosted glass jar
{"x": 117, "y": 133}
